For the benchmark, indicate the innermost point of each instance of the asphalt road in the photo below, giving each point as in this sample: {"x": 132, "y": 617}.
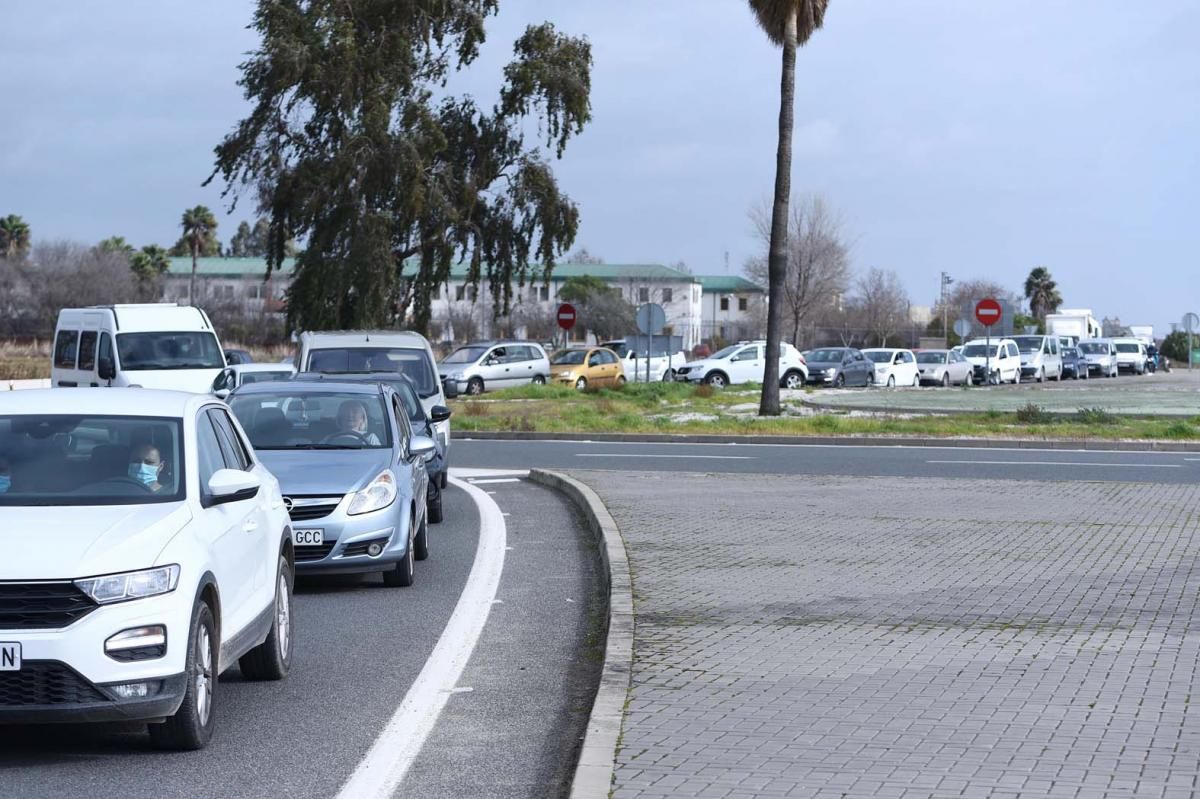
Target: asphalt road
{"x": 359, "y": 647}
{"x": 788, "y": 459}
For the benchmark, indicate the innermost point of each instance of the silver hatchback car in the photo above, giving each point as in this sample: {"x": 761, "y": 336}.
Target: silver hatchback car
{"x": 352, "y": 473}
{"x": 488, "y": 365}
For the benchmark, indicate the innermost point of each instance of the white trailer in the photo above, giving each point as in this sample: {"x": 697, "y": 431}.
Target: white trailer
{"x": 1143, "y": 333}
{"x": 1077, "y": 323}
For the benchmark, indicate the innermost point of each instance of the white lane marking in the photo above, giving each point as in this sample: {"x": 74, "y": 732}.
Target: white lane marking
{"x": 477, "y": 482}
{"x": 470, "y": 474}
{"x": 1117, "y": 465}
{"x": 382, "y": 769}
{"x": 688, "y": 457}
{"x": 1192, "y": 459}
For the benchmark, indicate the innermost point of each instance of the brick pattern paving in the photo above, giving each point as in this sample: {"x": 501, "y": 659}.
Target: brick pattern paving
{"x": 909, "y": 637}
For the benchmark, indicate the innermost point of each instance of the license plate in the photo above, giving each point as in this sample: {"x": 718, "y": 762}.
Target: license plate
{"x": 10, "y": 657}
{"x": 308, "y": 538}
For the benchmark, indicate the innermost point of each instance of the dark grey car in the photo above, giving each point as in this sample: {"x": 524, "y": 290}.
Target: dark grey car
{"x": 840, "y": 366}
{"x": 1075, "y": 365}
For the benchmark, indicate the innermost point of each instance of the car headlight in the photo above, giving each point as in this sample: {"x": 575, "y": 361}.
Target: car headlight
{"x": 566, "y": 375}
{"x": 831, "y": 371}
{"x": 457, "y": 377}
{"x": 130, "y": 585}
{"x": 377, "y": 496}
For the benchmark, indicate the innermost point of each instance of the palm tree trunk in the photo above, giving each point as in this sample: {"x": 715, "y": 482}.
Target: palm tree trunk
{"x": 777, "y": 256}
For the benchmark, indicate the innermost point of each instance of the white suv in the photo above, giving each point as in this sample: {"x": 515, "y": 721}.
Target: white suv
{"x": 146, "y": 551}
{"x": 744, "y": 363}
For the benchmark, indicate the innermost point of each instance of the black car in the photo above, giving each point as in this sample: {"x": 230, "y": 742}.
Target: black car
{"x": 839, "y": 366}
{"x": 422, "y": 424}
{"x": 1075, "y": 365}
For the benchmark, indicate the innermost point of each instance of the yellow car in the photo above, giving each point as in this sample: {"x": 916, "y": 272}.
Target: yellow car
{"x": 587, "y": 366}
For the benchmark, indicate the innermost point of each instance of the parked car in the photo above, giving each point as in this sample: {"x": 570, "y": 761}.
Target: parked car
{"x": 242, "y": 374}
{"x": 745, "y": 362}
{"x": 943, "y": 368}
{"x": 1041, "y": 358}
{"x": 1131, "y": 355}
{"x": 581, "y": 367}
{"x": 662, "y": 364}
{"x": 1101, "y": 356}
{"x": 422, "y": 424}
{"x": 238, "y": 357}
{"x": 150, "y": 346}
{"x": 352, "y": 473}
{"x": 479, "y": 367}
{"x": 1075, "y": 365}
{"x": 894, "y": 367}
{"x": 995, "y": 361}
{"x": 161, "y": 557}
{"x": 840, "y": 366}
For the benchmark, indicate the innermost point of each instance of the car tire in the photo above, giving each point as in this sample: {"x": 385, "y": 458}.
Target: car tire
{"x": 421, "y": 541}
{"x": 581, "y": 384}
{"x": 839, "y": 381}
{"x": 620, "y": 380}
{"x": 402, "y": 575}
{"x": 669, "y": 376}
{"x": 1041, "y": 376}
{"x": 793, "y": 380}
{"x": 475, "y": 386}
{"x": 433, "y": 509}
{"x": 970, "y": 381}
{"x": 916, "y": 383}
{"x": 272, "y": 659}
{"x": 191, "y": 727}
{"x": 539, "y": 380}
{"x": 891, "y": 383}
{"x": 716, "y": 379}
{"x": 946, "y": 380}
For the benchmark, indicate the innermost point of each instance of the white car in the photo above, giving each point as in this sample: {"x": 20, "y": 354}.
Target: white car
{"x": 995, "y": 361}
{"x": 243, "y": 374}
{"x": 1041, "y": 357}
{"x": 155, "y": 553}
{"x": 1131, "y": 355}
{"x": 1101, "y": 356}
{"x": 661, "y": 369}
{"x": 744, "y": 363}
{"x": 894, "y": 367}
{"x": 944, "y": 368}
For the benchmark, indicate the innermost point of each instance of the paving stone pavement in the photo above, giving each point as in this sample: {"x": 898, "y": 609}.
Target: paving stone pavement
{"x": 908, "y": 637}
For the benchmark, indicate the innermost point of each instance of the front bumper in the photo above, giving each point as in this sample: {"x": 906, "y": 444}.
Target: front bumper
{"x": 51, "y": 692}
{"x": 819, "y": 378}
{"x": 346, "y": 537}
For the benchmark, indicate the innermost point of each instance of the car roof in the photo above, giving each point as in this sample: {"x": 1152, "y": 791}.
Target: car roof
{"x": 391, "y": 338}
{"x": 102, "y": 402}
{"x": 310, "y": 385}
{"x": 497, "y": 342}
{"x": 262, "y": 367}
{"x": 353, "y": 377}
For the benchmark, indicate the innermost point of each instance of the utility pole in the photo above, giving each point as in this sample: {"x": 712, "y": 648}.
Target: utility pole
{"x": 946, "y": 281}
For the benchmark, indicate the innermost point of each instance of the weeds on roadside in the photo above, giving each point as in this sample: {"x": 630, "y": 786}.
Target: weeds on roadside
{"x": 1032, "y": 413}
{"x": 1180, "y": 429}
{"x": 1096, "y": 416}
{"x": 826, "y": 423}
{"x": 703, "y": 391}
{"x": 474, "y": 409}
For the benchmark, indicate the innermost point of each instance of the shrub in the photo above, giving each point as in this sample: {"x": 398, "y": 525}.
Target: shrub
{"x": 1032, "y": 413}
{"x": 1096, "y": 417}
{"x": 703, "y": 391}
{"x": 826, "y": 423}
{"x": 475, "y": 409}
{"x": 1180, "y": 429}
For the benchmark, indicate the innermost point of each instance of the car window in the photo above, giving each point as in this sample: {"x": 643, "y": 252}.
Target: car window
{"x": 1012, "y": 350}
{"x": 208, "y": 450}
{"x": 87, "y": 350}
{"x": 232, "y": 447}
{"x": 403, "y": 428}
{"x": 65, "y": 346}
{"x": 105, "y": 350}
{"x": 906, "y": 357}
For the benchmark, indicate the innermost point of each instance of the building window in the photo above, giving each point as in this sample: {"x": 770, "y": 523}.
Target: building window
{"x": 544, "y": 293}
{"x": 666, "y": 295}
{"x": 643, "y": 294}
{"x": 460, "y": 292}
{"x": 724, "y": 306}
{"x": 743, "y": 303}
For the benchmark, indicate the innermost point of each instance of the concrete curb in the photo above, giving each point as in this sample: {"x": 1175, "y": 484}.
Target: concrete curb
{"x": 597, "y": 760}
{"x": 849, "y": 441}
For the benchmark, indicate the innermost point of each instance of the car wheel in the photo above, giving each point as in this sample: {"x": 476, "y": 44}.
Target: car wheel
{"x": 272, "y": 659}
{"x": 421, "y": 542}
{"x": 581, "y": 383}
{"x": 402, "y": 575}
{"x": 891, "y": 383}
{"x": 1041, "y": 377}
{"x": 793, "y": 380}
{"x": 669, "y": 376}
{"x": 970, "y": 379}
{"x": 539, "y": 380}
{"x": 1017, "y": 378}
{"x": 839, "y": 381}
{"x": 716, "y": 380}
{"x": 434, "y": 509}
{"x": 475, "y": 386}
{"x": 916, "y": 383}
{"x": 620, "y": 380}
{"x": 191, "y": 727}
{"x": 946, "y": 380}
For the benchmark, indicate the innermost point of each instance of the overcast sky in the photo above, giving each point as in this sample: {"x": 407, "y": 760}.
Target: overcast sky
{"x": 979, "y": 137}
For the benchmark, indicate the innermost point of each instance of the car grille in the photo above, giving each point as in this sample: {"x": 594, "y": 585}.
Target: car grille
{"x": 312, "y": 554}
{"x": 307, "y": 508}
{"x": 42, "y": 606}
{"x": 46, "y": 682}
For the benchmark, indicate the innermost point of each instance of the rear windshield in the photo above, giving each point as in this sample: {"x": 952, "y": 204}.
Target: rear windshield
{"x": 408, "y": 361}
{"x": 146, "y": 351}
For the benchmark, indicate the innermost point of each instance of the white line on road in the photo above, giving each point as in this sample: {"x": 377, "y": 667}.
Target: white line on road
{"x": 1192, "y": 459}
{"x": 686, "y": 457}
{"x": 1114, "y": 465}
{"x": 495, "y": 480}
{"x": 381, "y": 771}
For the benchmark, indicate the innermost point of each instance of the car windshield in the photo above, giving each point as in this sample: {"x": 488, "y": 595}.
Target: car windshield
{"x": 880, "y": 356}
{"x": 1128, "y": 348}
{"x": 289, "y": 419}
{"x": 90, "y": 460}
{"x": 931, "y": 357}
{"x": 264, "y": 377}
{"x": 143, "y": 351}
{"x": 827, "y": 356}
{"x": 568, "y": 357}
{"x": 1070, "y": 352}
{"x": 465, "y": 355}
{"x": 1028, "y": 344}
{"x": 409, "y": 361}
{"x": 727, "y": 352}
{"x": 980, "y": 350}
{"x": 619, "y": 347}
{"x": 1093, "y": 348}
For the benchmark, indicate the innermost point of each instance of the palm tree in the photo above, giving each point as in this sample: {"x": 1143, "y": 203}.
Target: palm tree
{"x": 150, "y": 262}
{"x": 14, "y": 237}
{"x": 1042, "y": 292}
{"x": 789, "y": 24}
{"x": 199, "y": 229}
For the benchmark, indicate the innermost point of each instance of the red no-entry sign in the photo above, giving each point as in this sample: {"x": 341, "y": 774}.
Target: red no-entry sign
{"x": 988, "y": 312}
{"x": 566, "y": 316}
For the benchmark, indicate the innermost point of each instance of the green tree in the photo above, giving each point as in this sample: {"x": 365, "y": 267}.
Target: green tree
{"x": 788, "y": 24}
{"x": 1042, "y": 292}
{"x": 354, "y": 144}
{"x": 15, "y": 237}
{"x": 1175, "y": 346}
{"x": 602, "y": 309}
{"x": 150, "y": 263}
{"x": 239, "y": 243}
{"x": 116, "y": 245}
{"x": 199, "y": 231}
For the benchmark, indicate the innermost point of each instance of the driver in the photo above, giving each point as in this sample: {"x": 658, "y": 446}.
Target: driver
{"x": 352, "y": 418}
{"x": 146, "y": 466}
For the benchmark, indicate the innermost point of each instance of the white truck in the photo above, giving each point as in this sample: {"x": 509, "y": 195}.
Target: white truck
{"x": 1077, "y": 323}
{"x": 1143, "y": 333}
{"x": 662, "y": 366}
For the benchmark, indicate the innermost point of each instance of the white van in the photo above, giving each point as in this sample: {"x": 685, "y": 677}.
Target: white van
{"x": 159, "y": 345}
{"x": 1000, "y": 355}
{"x": 1041, "y": 357}
{"x": 356, "y": 351}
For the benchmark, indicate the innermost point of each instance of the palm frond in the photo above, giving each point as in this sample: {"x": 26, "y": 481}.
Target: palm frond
{"x": 773, "y": 17}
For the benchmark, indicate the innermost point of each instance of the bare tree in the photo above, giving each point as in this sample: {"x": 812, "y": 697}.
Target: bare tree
{"x": 582, "y": 256}
{"x": 818, "y": 260}
{"x": 463, "y": 320}
{"x": 884, "y": 303}
{"x": 62, "y": 274}
{"x": 539, "y": 320}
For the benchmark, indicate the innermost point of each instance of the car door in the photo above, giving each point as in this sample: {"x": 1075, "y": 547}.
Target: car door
{"x": 491, "y": 368}
{"x": 409, "y": 471}
{"x": 861, "y": 369}
{"x": 611, "y": 366}
{"x": 746, "y": 365}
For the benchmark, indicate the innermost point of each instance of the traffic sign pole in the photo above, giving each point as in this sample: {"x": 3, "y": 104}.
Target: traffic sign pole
{"x": 988, "y": 312}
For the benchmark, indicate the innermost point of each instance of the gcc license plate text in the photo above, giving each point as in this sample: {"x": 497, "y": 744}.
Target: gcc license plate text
{"x": 308, "y": 538}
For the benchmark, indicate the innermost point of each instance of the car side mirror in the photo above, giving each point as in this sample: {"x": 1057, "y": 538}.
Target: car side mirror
{"x": 439, "y": 413}
{"x": 450, "y": 388}
{"x": 105, "y": 369}
{"x": 422, "y": 447}
{"x": 231, "y": 485}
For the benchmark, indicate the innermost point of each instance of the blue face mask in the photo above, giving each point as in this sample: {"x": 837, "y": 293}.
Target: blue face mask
{"x": 144, "y": 473}
{"x": 5, "y": 483}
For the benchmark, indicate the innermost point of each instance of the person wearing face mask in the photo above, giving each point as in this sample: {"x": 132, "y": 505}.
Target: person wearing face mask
{"x": 146, "y": 466}
{"x": 5, "y": 477}
{"x": 352, "y": 418}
